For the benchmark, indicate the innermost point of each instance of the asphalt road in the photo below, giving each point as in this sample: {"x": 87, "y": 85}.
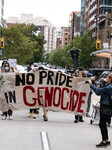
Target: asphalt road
{"x": 59, "y": 133}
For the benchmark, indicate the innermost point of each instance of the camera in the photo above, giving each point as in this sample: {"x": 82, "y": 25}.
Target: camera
{"x": 87, "y": 82}
{"x": 101, "y": 83}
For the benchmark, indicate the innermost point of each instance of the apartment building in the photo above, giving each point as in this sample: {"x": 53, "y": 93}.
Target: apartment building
{"x": 45, "y": 28}
{"x": 82, "y": 18}
{"x": 59, "y": 38}
{"x": 26, "y": 18}
{"x": 74, "y": 21}
{"x": 12, "y": 20}
{"x": 65, "y": 35}
{"x": 99, "y": 22}
{"x": 91, "y": 11}
{"x": 95, "y": 10}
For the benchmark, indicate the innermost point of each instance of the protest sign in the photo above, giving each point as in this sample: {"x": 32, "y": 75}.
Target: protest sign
{"x": 44, "y": 88}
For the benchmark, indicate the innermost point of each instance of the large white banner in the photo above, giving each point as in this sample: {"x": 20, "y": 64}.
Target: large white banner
{"x": 43, "y": 89}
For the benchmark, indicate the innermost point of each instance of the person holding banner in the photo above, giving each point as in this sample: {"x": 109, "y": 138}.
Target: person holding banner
{"x": 32, "y": 111}
{"x": 45, "y": 110}
{"x": 3, "y": 65}
{"x": 105, "y": 108}
{"x": 6, "y": 69}
{"x": 79, "y": 118}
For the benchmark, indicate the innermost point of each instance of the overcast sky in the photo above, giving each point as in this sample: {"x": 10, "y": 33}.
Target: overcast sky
{"x": 56, "y": 11}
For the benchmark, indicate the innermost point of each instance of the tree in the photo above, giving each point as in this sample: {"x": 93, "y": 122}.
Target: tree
{"x": 87, "y": 46}
{"x": 60, "y": 57}
{"x": 22, "y": 43}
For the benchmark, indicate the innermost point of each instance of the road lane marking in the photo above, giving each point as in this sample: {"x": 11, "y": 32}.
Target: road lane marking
{"x": 45, "y": 141}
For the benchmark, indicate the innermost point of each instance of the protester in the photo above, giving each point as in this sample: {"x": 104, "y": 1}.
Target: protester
{"x": 33, "y": 112}
{"x": 45, "y": 110}
{"x": 6, "y": 69}
{"x": 11, "y": 69}
{"x": 105, "y": 108}
{"x": 79, "y": 118}
{"x": 2, "y": 67}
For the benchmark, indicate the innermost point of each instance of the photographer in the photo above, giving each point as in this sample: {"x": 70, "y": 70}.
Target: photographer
{"x": 105, "y": 108}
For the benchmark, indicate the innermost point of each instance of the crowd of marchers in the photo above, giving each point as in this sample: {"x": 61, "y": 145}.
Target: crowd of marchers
{"x": 104, "y": 89}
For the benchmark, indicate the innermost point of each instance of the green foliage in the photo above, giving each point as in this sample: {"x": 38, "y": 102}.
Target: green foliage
{"x": 87, "y": 46}
{"x": 60, "y": 57}
{"x": 22, "y": 43}
{"x": 76, "y": 43}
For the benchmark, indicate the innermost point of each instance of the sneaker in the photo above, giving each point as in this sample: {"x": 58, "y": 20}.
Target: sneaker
{"x": 102, "y": 144}
{"x": 81, "y": 120}
{"x": 10, "y": 118}
{"x": 75, "y": 121}
{"x": 4, "y": 117}
{"x": 34, "y": 116}
{"x": 108, "y": 142}
{"x": 31, "y": 114}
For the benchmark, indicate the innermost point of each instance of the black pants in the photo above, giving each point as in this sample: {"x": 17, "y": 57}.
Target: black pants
{"x": 9, "y": 112}
{"x": 78, "y": 117}
{"x": 103, "y": 126}
{"x": 89, "y": 102}
{"x": 33, "y": 111}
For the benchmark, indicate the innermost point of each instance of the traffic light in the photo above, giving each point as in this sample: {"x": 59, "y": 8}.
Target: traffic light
{"x": 98, "y": 44}
{"x": 1, "y": 42}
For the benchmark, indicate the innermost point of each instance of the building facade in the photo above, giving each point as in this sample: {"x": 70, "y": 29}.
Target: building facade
{"x": 2, "y": 13}
{"x": 74, "y": 21}
{"x": 45, "y": 28}
{"x": 82, "y": 18}
{"x": 65, "y": 35}
{"x": 91, "y": 11}
{"x": 59, "y": 38}
{"x": 95, "y": 10}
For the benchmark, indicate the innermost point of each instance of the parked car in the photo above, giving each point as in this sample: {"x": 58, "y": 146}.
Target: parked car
{"x": 97, "y": 72}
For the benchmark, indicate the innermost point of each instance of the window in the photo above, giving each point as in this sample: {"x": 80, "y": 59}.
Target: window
{"x": 108, "y": 21}
{"x": 107, "y": 34}
{"x": 107, "y": 63}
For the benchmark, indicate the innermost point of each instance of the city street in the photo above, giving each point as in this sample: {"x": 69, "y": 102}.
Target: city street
{"x": 23, "y": 133}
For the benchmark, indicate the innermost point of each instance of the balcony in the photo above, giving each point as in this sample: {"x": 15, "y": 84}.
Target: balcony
{"x": 92, "y": 2}
{"x": 91, "y": 19}
{"x": 92, "y": 26}
{"x": 107, "y": 6}
{"x": 94, "y": 34}
{"x": 93, "y": 9}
